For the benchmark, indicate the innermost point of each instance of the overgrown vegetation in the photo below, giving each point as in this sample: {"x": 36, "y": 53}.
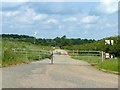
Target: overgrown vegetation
{"x": 15, "y": 52}
{"x": 99, "y": 46}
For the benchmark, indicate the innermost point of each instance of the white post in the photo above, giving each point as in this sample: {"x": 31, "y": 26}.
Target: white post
{"x": 34, "y": 40}
{"x": 35, "y": 33}
{"x": 39, "y": 55}
{"x": 102, "y": 56}
{"x": 52, "y": 58}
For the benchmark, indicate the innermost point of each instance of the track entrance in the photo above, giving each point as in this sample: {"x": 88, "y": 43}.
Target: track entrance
{"x": 89, "y": 56}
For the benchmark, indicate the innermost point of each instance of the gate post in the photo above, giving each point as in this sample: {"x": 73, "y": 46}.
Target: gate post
{"x": 52, "y": 57}
{"x": 73, "y": 52}
{"x": 102, "y": 56}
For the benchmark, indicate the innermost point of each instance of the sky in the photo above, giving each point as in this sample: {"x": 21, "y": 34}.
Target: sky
{"x": 91, "y": 20}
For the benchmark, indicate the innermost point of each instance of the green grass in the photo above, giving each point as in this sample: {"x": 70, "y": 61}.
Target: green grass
{"x": 108, "y": 64}
{"x": 31, "y": 53}
{"x": 111, "y": 64}
{"x": 90, "y": 59}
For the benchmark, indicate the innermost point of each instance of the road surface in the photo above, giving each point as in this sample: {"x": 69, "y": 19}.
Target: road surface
{"x": 64, "y": 73}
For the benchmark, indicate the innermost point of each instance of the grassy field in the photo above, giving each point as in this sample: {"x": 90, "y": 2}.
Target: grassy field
{"x": 23, "y": 53}
{"x": 108, "y": 64}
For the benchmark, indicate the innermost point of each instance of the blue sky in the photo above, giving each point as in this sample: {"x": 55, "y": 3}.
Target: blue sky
{"x": 91, "y": 20}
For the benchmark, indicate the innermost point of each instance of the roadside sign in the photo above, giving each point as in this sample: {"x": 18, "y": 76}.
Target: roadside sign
{"x": 107, "y": 55}
{"x": 109, "y": 42}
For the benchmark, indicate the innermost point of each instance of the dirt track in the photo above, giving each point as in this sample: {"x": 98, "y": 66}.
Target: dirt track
{"x": 64, "y": 73}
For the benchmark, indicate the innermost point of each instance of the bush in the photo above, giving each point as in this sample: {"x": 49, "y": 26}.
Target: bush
{"x": 8, "y": 57}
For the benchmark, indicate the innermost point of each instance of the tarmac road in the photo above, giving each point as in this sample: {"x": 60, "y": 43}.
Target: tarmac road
{"x": 64, "y": 73}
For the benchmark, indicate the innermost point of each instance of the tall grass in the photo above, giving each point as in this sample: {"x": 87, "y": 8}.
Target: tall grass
{"x": 30, "y": 53}
{"x": 110, "y": 64}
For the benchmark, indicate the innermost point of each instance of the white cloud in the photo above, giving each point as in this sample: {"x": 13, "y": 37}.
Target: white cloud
{"x": 88, "y": 26}
{"x": 85, "y": 32}
{"x": 24, "y": 16}
{"x": 108, "y": 6}
{"x": 9, "y": 4}
{"x": 9, "y": 13}
{"x": 33, "y": 15}
{"x": 40, "y": 17}
{"x": 89, "y": 19}
{"x": 54, "y": 21}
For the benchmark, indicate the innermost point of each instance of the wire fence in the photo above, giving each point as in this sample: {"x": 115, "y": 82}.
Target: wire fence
{"x": 31, "y": 54}
{"x": 90, "y": 56}
{"x": 21, "y": 55}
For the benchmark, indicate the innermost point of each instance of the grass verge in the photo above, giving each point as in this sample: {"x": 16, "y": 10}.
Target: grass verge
{"x": 107, "y": 65}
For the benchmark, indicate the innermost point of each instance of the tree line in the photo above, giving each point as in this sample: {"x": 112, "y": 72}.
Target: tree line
{"x": 99, "y": 45}
{"x": 56, "y": 42}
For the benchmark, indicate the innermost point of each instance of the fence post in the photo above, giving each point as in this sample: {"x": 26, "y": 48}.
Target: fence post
{"x": 73, "y": 52}
{"x": 77, "y": 52}
{"x": 102, "y": 56}
{"x": 52, "y": 58}
{"x": 39, "y": 55}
